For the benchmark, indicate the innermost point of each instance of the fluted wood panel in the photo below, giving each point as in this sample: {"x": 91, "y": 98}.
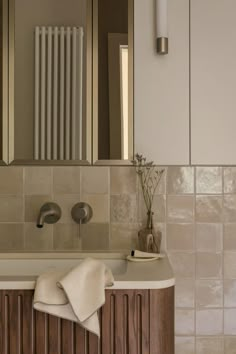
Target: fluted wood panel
{"x": 132, "y": 322}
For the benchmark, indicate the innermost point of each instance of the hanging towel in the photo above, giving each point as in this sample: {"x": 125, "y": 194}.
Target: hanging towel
{"x": 75, "y": 295}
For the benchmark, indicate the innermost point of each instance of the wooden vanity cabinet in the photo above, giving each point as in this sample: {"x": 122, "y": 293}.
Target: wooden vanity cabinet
{"x": 132, "y": 322}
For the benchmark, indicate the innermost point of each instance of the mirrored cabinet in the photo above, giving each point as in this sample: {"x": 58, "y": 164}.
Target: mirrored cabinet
{"x": 67, "y": 81}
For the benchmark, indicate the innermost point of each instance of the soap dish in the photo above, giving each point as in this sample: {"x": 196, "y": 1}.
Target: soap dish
{"x": 148, "y": 259}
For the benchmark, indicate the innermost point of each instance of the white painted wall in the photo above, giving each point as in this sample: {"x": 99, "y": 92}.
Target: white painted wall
{"x": 161, "y": 85}
{"x": 213, "y": 81}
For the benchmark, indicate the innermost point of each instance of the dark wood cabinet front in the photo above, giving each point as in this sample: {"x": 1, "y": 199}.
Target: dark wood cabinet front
{"x": 132, "y": 322}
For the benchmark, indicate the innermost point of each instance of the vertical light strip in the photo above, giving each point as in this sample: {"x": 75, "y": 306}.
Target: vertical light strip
{"x": 49, "y": 95}
{"x": 43, "y": 91}
{"x": 68, "y": 93}
{"x": 162, "y": 26}
{"x": 55, "y": 95}
{"x": 74, "y": 76}
{"x": 124, "y": 88}
{"x": 80, "y": 90}
{"x": 36, "y": 103}
{"x": 62, "y": 83}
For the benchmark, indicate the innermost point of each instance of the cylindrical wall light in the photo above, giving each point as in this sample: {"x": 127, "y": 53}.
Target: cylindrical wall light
{"x": 162, "y": 26}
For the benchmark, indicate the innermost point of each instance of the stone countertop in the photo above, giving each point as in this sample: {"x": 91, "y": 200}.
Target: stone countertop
{"x": 20, "y": 270}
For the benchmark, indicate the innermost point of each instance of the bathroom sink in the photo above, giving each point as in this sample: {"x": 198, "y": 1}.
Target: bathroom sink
{"x": 20, "y": 270}
{"x": 25, "y": 265}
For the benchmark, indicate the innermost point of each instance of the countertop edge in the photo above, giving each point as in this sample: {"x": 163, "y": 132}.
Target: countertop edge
{"x": 30, "y": 284}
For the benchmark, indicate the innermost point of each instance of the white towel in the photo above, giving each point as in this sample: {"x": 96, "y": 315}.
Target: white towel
{"x": 75, "y": 295}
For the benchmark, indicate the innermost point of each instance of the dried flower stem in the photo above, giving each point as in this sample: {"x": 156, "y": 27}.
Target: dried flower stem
{"x": 149, "y": 177}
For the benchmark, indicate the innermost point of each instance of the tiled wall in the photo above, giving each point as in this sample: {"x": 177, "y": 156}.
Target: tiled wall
{"x": 195, "y": 209}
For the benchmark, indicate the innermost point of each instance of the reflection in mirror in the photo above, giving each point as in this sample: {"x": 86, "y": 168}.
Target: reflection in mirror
{"x": 4, "y": 83}
{"x": 113, "y": 79}
{"x": 50, "y": 80}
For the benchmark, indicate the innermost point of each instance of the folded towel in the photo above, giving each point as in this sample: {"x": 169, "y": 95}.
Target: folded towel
{"x": 75, "y": 295}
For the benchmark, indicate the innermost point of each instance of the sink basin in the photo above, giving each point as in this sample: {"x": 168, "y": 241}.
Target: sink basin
{"x": 26, "y": 266}
{"x": 20, "y": 270}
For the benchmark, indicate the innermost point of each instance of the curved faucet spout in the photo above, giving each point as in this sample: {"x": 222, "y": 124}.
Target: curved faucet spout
{"x": 49, "y": 213}
{"x": 42, "y": 216}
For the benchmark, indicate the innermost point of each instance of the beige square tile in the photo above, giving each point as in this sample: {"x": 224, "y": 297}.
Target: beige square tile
{"x": 208, "y": 209}
{"x": 159, "y": 209}
{"x": 11, "y": 237}
{"x": 124, "y": 236}
{"x": 209, "y": 180}
{"x": 230, "y": 237}
{"x": 66, "y": 237}
{"x": 38, "y": 180}
{"x": 95, "y": 180}
{"x": 229, "y": 208}
{"x": 11, "y": 208}
{"x": 180, "y": 237}
{"x": 209, "y": 293}
{"x": 183, "y": 264}
{"x": 209, "y": 265}
{"x": 161, "y": 185}
{"x": 124, "y": 208}
{"x": 180, "y": 180}
{"x": 33, "y": 203}
{"x": 180, "y": 209}
{"x": 184, "y": 322}
{"x": 66, "y": 202}
{"x": 230, "y": 345}
{"x": 66, "y": 180}
{"x": 229, "y": 322}
{"x": 230, "y": 265}
{"x": 123, "y": 180}
{"x": 100, "y": 206}
{"x": 184, "y": 345}
{"x": 230, "y": 293}
{"x": 210, "y": 345}
{"x": 161, "y": 188}
{"x": 230, "y": 180}
{"x": 209, "y": 237}
{"x": 185, "y": 292}
{"x": 38, "y": 239}
{"x": 95, "y": 236}
{"x": 11, "y": 180}
{"x": 209, "y": 322}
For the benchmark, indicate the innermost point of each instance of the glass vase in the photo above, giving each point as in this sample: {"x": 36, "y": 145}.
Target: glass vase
{"x": 149, "y": 238}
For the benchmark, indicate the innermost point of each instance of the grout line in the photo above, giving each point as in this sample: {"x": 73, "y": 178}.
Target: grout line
{"x": 24, "y": 209}
{"x": 222, "y": 250}
{"x": 195, "y": 249}
{"x": 109, "y": 207}
{"x": 166, "y": 207}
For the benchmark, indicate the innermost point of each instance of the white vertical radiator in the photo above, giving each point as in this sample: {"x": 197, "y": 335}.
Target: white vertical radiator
{"x": 58, "y": 93}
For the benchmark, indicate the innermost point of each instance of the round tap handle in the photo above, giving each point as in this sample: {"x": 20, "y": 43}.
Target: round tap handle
{"x": 81, "y": 213}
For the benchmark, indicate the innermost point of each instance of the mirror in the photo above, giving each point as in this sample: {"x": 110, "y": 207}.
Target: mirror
{"x": 50, "y": 58}
{"x": 112, "y": 81}
{"x": 68, "y": 97}
{"x": 4, "y": 84}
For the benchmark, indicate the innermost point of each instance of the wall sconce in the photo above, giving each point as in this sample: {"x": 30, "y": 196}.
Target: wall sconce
{"x": 162, "y": 26}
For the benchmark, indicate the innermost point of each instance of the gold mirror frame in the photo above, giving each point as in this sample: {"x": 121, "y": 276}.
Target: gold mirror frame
{"x": 91, "y": 94}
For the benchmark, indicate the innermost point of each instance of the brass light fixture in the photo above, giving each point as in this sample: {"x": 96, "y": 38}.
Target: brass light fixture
{"x": 162, "y": 26}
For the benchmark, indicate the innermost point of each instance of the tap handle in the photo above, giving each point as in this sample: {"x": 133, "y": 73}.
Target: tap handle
{"x": 81, "y": 213}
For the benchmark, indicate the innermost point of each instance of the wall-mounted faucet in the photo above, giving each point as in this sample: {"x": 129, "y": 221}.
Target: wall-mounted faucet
{"x": 49, "y": 213}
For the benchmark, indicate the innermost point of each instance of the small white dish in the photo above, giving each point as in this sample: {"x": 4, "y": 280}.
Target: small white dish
{"x": 134, "y": 259}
